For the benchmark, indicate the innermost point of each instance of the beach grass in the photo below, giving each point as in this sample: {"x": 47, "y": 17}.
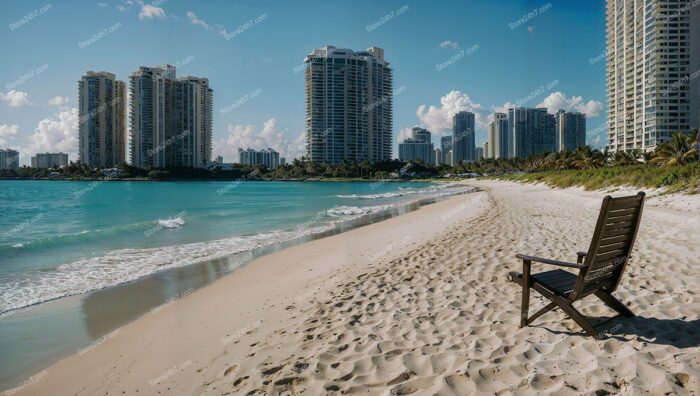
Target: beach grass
{"x": 684, "y": 178}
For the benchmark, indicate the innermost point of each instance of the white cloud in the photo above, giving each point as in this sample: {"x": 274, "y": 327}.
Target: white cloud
{"x": 57, "y": 133}
{"x": 592, "y": 108}
{"x": 250, "y": 136}
{"x": 149, "y": 11}
{"x": 126, "y": 4}
{"x": 200, "y": 22}
{"x": 531, "y": 29}
{"x": 558, "y": 100}
{"x": 195, "y": 20}
{"x": 449, "y": 44}
{"x": 403, "y": 134}
{"x": 438, "y": 120}
{"x": 8, "y": 132}
{"x": 16, "y": 98}
{"x": 58, "y": 100}
{"x": 502, "y": 109}
{"x": 297, "y": 148}
{"x": 102, "y": 4}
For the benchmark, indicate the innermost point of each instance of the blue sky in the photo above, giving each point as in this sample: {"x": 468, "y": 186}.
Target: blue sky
{"x": 446, "y": 55}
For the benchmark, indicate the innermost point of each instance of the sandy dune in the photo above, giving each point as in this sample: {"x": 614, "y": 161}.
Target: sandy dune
{"x": 420, "y": 305}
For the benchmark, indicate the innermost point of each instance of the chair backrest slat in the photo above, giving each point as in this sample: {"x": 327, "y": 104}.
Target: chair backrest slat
{"x": 612, "y": 243}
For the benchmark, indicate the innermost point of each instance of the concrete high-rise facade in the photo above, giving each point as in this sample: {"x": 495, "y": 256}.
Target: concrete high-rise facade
{"x": 418, "y": 147}
{"x": 653, "y": 65}
{"x": 531, "y": 131}
{"x": 49, "y": 160}
{"x": 150, "y": 87}
{"x": 463, "y": 138}
{"x": 478, "y": 153}
{"x": 349, "y": 105}
{"x": 498, "y": 137}
{"x": 171, "y": 119}
{"x": 9, "y": 159}
{"x": 193, "y": 120}
{"x": 570, "y": 130}
{"x": 101, "y": 120}
{"x": 268, "y": 157}
{"x": 438, "y": 156}
{"x": 445, "y": 149}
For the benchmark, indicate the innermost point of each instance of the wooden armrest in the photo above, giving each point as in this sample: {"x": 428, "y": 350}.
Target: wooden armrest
{"x": 548, "y": 261}
{"x": 581, "y": 256}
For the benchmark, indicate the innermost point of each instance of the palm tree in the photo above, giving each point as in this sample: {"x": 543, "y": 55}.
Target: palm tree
{"x": 676, "y": 151}
{"x": 587, "y": 158}
{"x": 694, "y": 140}
{"x": 563, "y": 160}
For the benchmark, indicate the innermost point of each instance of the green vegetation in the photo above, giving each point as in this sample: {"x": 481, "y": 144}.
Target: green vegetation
{"x": 674, "y": 166}
{"x": 680, "y": 178}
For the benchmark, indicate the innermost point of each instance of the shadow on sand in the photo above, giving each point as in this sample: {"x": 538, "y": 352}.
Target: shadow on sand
{"x": 675, "y": 332}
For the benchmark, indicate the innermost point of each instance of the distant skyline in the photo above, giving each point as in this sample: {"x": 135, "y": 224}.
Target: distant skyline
{"x": 477, "y": 56}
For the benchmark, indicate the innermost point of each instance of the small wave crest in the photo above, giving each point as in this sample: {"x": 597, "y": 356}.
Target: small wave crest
{"x": 171, "y": 223}
{"x": 125, "y": 265}
{"x": 393, "y": 194}
{"x": 346, "y": 211}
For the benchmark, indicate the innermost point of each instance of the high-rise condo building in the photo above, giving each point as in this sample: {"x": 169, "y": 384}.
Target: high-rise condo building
{"x": 498, "y": 137}
{"x": 270, "y": 158}
{"x": 101, "y": 120}
{"x": 445, "y": 149}
{"x": 653, "y": 65}
{"x": 193, "y": 120}
{"x": 557, "y": 137}
{"x": 531, "y": 131}
{"x": 463, "y": 139}
{"x": 171, "y": 119}
{"x": 9, "y": 159}
{"x": 478, "y": 153}
{"x": 349, "y": 104}
{"x": 49, "y": 160}
{"x": 571, "y": 130}
{"x": 418, "y": 147}
{"x": 151, "y": 119}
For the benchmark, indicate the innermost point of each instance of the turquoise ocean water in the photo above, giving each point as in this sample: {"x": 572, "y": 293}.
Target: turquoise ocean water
{"x": 59, "y": 238}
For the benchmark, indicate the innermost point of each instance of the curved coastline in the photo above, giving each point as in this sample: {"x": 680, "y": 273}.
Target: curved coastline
{"x": 99, "y": 316}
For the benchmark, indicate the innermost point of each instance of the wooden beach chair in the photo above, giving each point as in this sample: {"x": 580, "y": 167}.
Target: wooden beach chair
{"x": 599, "y": 269}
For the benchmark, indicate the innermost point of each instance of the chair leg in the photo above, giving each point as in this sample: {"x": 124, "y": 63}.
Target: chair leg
{"x": 525, "y": 304}
{"x": 614, "y": 303}
{"x": 577, "y": 317}
{"x": 542, "y": 311}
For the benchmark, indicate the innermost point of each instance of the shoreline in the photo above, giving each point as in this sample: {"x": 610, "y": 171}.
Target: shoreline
{"x": 251, "y": 290}
{"x": 197, "y": 275}
{"x": 420, "y": 304}
{"x": 308, "y": 180}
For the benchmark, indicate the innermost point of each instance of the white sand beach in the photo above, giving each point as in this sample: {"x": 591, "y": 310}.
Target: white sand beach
{"x": 420, "y": 304}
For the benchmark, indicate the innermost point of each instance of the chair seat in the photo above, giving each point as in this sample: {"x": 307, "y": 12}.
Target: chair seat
{"x": 558, "y": 281}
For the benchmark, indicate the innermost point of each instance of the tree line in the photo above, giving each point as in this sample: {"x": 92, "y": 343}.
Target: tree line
{"x": 680, "y": 150}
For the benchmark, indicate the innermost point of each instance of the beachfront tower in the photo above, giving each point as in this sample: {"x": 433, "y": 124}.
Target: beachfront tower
{"x": 171, "y": 119}
{"x": 101, "y": 120}
{"x": 571, "y": 130}
{"x": 653, "y": 65}
{"x": 349, "y": 105}
{"x": 463, "y": 139}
